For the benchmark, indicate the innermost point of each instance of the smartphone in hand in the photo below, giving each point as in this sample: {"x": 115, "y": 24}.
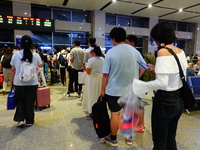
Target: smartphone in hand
{"x": 143, "y": 65}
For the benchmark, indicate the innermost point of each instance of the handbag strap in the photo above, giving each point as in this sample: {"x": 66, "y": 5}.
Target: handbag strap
{"x": 178, "y": 62}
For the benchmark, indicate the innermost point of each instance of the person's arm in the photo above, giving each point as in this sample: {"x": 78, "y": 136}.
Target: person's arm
{"x": 12, "y": 75}
{"x": 88, "y": 70}
{"x": 1, "y": 63}
{"x": 141, "y": 71}
{"x": 104, "y": 83}
{"x": 72, "y": 57}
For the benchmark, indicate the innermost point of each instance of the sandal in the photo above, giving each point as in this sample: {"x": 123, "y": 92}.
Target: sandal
{"x": 140, "y": 129}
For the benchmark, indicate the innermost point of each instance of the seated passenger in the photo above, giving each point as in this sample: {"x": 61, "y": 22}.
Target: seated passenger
{"x": 190, "y": 71}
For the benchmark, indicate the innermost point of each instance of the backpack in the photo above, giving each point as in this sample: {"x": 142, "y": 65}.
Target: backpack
{"x": 27, "y": 70}
{"x": 101, "y": 120}
{"x": 6, "y": 61}
{"x": 62, "y": 60}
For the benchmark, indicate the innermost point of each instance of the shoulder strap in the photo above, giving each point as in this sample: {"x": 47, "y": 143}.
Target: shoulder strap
{"x": 178, "y": 62}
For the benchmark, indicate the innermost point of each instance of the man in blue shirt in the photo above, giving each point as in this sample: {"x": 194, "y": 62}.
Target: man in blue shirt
{"x": 119, "y": 68}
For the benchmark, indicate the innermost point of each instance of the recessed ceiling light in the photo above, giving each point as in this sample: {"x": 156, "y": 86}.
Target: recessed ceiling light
{"x": 114, "y": 0}
{"x": 25, "y": 13}
{"x": 150, "y": 5}
{"x": 180, "y": 10}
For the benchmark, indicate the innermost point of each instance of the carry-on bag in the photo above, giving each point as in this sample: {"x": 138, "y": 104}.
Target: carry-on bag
{"x": 101, "y": 120}
{"x": 11, "y": 102}
{"x": 43, "y": 98}
{"x": 1, "y": 79}
{"x": 54, "y": 77}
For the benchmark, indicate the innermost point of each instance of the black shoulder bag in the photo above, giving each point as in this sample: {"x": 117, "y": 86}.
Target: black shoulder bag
{"x": 185, "y": 91}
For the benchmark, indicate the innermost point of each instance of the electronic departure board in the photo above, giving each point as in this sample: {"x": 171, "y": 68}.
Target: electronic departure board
{"x": 26, "y": 23}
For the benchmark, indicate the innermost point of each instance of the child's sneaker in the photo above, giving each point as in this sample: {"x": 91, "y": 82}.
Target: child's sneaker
{"x": 129, "y": 141}
{"x": 109, "y": 141}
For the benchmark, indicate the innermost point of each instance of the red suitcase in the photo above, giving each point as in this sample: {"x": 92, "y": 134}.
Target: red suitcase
{"x": 1, "y": 79}
{"x": 43, "y": 98}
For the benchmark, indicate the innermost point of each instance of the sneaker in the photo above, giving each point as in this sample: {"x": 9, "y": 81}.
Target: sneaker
{"x": 21, "y": 124}
{"x": 109, "y": 141}
{"x": 79, "y": 96}
{"x": 29, "y": 125}
{"x": 129, "y": 141}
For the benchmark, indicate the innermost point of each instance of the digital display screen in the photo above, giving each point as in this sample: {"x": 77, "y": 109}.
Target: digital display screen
{"x": 26, "y": 23}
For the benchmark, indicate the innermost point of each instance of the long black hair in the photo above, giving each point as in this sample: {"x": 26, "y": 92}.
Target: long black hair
{"x": 97, "y": 50}
{"x": 26, "y": 44}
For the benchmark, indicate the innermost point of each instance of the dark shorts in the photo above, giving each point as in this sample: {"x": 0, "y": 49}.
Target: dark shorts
{"x": 112, "y": 103}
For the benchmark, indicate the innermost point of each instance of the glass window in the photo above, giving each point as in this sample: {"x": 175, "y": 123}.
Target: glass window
{"x": 108, "y": 41}
{"x": 181, "y": 44}
{"x": 81, "y": 16}
{"x": 61, "y": 38}
{"x": 110, "y": 19}
{"x": 39, "y": 11}
{"x": 59, "y": 14}
{"x": 42, "y": 37}
{"x": 6, "y": 35}
{"x": 123, "y": 21}
{"x": 140, "y": 22}
{"x": 6, "y": 8}
{"x": 182, "y": 26}
{"x": 83, "y": 37}
{"x": 140, "y": 42}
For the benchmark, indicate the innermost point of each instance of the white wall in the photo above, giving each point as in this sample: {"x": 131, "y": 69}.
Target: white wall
{"x": 21, "y": 9}
{"x": 98, "y": 27}
{"x": 72, "y": 26}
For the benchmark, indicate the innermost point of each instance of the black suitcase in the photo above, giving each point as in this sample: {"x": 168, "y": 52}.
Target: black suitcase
{"x": 54, "y": 77}
{"x": 101, "y": 120}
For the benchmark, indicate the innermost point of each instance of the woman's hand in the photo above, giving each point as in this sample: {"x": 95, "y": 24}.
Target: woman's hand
{"x": 152, "y": 67}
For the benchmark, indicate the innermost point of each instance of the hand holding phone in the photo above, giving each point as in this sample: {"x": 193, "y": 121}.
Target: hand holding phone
{"x": 143, "y": 65}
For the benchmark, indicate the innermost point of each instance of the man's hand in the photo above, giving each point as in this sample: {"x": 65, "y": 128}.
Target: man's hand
{"x": 102, "y": 93}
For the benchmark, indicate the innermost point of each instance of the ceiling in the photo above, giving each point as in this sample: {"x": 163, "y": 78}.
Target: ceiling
{"x": 163, "y": 9}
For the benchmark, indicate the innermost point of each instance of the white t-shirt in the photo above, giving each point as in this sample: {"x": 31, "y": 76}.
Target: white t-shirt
{"x": 87, "y": 54}
{"x": 16, "y": 61}
{"x": 95, "y": 64}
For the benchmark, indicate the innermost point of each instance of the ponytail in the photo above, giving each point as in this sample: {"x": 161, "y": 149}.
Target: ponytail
{"x": 26, "y": 44}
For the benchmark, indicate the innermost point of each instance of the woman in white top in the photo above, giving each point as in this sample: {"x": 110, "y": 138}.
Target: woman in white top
{"x": 167, "y": 104}
{"x": 25, "y": 90}
{"x": 92, "y": 86}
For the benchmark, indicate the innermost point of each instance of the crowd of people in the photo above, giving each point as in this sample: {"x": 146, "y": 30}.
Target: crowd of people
{"x": 107, "y": 76}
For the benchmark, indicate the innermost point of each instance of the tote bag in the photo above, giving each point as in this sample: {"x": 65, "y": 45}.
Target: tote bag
{"x": 81, "y": 77}
{"x": 11, "y": 102}
{"x": 185, "y": 91}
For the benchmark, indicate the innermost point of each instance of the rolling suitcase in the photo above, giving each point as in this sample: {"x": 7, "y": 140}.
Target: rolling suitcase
{"x": 1, "y": 80}
{"x": 43, "y": 98}
{"x": 54, "y": 77}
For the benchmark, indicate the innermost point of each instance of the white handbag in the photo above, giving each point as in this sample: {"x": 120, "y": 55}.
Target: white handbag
{"x": 81, "y": 77}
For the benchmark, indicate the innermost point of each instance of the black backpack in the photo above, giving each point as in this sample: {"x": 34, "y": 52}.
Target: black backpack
{"x": 101, "y": 120}
{"x": 62, "y": 60}
{"x": 6, "y": 61}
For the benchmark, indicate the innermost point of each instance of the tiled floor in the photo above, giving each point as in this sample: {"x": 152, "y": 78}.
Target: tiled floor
{"x": 64, "y": 126}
